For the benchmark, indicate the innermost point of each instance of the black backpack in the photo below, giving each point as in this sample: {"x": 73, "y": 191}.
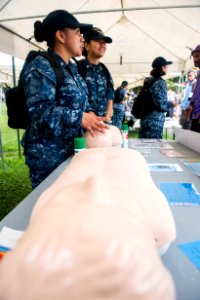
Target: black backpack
{"x": 117, "y": 95}
{"x": 143, "y": 103}
{"x": 15, "y": 98}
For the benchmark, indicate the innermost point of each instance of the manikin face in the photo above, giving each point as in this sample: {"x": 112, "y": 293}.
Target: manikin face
{"x": 196, "y": 59}
{"x": 96, "y": 48}
{"x": 73, "y": 41}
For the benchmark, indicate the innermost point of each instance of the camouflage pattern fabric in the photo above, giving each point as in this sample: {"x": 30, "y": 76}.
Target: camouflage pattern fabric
{"x": 118, "y": 114}
{"x": 151, "y": 126}
{"x": 49, "y": 139}
{"x": 98, "y": 88}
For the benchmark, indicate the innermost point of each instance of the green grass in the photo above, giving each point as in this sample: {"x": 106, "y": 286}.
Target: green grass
{"x": 14, "y": 178}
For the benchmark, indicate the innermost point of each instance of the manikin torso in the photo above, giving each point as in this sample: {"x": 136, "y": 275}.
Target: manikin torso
{"x": 94, "y": 235}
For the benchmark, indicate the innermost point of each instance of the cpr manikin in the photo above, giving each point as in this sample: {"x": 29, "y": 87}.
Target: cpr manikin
{"x": 111, "y": 137}
{"x": 94, "y": 235}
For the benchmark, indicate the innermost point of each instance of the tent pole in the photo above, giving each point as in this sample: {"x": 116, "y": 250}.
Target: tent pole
{"x": 1, "y": 150}
{"x": 14, "y": 84}
{"x": 107, "y": 11}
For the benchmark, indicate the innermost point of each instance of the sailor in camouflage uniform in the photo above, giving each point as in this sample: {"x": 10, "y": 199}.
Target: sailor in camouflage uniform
{"x": 151, "y": 126}
{"x": 48, "y": 140}
{"x": 119, "y": 106}
{"x": 96, "y": 75}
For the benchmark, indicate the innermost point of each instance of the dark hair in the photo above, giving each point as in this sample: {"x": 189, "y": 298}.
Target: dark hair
{"x": 124, "y": 83}
{"x": 84, "y": 52}
{"x": 157, "y": 72}
{"x": 57, "y": 20}
{"x": 40, "y": 36}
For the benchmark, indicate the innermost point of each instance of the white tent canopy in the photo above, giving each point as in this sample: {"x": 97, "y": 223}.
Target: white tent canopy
{"x": 141, "y": 30}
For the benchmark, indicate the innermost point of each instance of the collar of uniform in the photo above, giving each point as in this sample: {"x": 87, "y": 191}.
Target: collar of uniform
{"x": 60, "y": 60}
{"x": 93, "y": 66}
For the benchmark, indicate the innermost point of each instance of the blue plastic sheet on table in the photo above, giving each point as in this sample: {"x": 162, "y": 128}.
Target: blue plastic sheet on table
{"x": 192, "y": 251}
{"x": 182, "y": 193}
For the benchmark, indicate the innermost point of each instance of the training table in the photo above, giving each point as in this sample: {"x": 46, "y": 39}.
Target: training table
{"x": 186, "y": 276}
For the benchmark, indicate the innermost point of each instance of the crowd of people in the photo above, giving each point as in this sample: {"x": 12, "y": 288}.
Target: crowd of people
{"x": 87, "y": 99}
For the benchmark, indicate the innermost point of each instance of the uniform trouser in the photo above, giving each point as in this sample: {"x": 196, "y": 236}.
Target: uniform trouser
{"x": 118, "y": 115}
{"x": 38, "y": 175}
{"x": 151, "y": 129}
{"x": 41, "y": 167}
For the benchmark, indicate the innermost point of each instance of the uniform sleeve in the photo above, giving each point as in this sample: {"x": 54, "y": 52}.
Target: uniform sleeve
{"x": 159, "y": 95}
{"x": 40, "y": 91}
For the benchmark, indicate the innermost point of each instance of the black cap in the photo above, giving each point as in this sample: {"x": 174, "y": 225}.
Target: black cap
{"x": 60, "y": 19}
{"x": 124, "y": 83}
{"x": 160, "y": 62}
{"x": 97, "y": 34}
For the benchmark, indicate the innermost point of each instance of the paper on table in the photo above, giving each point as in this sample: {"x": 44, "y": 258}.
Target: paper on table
{"x": 193, "y": 166}
{"x": 171, "y": 153}
{"x": 148, "y": 143}
{"x": 183, "y": 193}
{"x": 192, "y": 251}
{"x": 165, "y": 167}
{"x": 190, "y": 160}
{"x": 9, "y": 237}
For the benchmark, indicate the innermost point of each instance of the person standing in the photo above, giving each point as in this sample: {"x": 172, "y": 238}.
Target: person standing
{"x": 186, "y": 108}
{"x": 49, "y": 138}
{"x": 172, "y": 97}
{"x": 151, "y": 126}
{"x": 119, "y": 106}
{"x": 195, "y": 101}
{"x": 97, "y": 77}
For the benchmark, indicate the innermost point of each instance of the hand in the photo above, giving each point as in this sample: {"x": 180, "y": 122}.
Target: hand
{"x": 93, "y": 123}
{"x": 107, "y": 118}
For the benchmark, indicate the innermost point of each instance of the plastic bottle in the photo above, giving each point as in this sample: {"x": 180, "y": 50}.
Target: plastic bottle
{"x": 124, "y": 136}
{"x": 79, "y": 144}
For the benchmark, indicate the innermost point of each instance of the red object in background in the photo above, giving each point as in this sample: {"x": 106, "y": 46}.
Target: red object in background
{"x": 2, "y": 254}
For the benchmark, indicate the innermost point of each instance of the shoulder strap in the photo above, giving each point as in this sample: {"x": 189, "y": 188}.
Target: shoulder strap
{"x": 108, "y": 76}
{"x": 81, "y": 65}
{"x": 57, "y": 70}
{"x": 149, "y": 81}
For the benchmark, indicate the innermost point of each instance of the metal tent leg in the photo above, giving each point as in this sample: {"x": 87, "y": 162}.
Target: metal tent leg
{"x": 1, "y": 151}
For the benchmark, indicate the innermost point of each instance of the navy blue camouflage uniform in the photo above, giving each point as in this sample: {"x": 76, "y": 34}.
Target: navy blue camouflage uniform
{"x": 119, "y": 110}
{"x": 100, "y": 87}
{"x": 151, "y": 126}
{"x": 48, "y": 141}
